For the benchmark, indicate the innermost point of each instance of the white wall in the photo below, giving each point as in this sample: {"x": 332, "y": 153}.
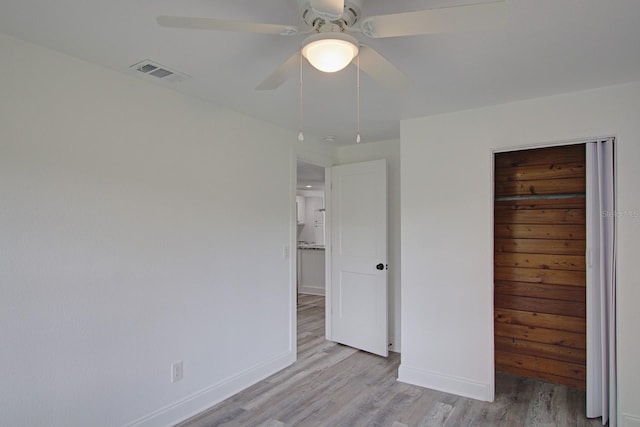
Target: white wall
{"x": 389, "y": 150}
{"x": 447, "y": 231}
{"x": 127, "y": 226}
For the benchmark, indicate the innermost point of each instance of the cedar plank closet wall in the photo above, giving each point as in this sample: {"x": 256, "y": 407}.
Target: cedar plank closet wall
{"x": 539, "y": 264}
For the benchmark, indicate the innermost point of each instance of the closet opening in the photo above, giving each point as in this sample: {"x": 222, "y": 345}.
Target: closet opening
{"x": 554, "y": 268}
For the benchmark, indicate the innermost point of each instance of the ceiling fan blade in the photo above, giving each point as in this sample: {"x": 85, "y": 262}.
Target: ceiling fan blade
{"x": 281, "y": 73}
{"x": 328, "y": 9}
{"x": 470, "y": 17}
{"x": 381, "y": 70}
{"x": 225, "y": 25}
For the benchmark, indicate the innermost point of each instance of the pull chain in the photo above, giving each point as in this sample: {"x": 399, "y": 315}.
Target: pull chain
{"x": 300, "y": 135}
{"x": 358, "y": 101}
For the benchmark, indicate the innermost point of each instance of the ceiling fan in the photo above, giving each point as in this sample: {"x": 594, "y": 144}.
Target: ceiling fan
{"x": 333, "y": 24}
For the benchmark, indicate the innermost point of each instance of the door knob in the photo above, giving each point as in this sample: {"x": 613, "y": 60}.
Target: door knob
{"x": 380, "y": 266}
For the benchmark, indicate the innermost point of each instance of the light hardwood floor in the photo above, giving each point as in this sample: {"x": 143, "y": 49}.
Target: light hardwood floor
{"x": 334, "y": 385}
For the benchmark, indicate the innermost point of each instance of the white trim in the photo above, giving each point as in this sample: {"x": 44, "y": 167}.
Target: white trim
{"x": 293, "y": 256}
{"x": 447, "y": 383}
{"x": 215, "y": 393}
{"x": 328, "y": 246}
{"x": 491, "y": 259}
{"x": 532, "y": 146}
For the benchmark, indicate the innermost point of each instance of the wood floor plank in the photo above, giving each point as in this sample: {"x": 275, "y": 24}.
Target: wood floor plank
{"x": 465, "y": 413}
{"x": 272, "y": 423}
{"x": 334, "y": 385}
{"x": 437, "y": 416}
{"x": 422, "y": 407}
{"x": 400, "y": 402}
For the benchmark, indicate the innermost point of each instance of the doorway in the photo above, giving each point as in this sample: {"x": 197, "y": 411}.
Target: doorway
{"x": 539, "y": 264}
{"x": 310, "y": 254}
{"x": 356, "y": 266}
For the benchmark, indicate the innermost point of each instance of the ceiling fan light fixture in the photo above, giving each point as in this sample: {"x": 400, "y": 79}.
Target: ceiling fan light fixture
{"x": 330, "y": 52}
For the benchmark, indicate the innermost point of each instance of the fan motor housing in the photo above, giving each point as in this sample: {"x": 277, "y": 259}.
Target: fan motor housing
{"x": 352, "y": 12}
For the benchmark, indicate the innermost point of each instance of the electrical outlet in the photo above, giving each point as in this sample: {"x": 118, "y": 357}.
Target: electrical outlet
{"x": 176, "y": 371}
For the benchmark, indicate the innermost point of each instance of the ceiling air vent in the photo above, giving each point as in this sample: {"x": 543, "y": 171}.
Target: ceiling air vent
{"x": 158, "y": 71}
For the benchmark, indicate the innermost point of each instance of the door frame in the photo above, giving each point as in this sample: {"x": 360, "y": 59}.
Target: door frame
{"x": 328, "y": 246}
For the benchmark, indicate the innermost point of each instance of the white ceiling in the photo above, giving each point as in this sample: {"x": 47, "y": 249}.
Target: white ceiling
{"x": 547, "y": 47}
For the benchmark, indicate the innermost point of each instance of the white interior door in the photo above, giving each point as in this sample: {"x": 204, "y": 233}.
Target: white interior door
{"x": 359, "y": 256}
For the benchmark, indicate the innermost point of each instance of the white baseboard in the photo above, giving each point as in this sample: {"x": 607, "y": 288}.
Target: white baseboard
{"x": 312, "y": 290}
{"x": 216, "y": 393}
{"x": 446, "y": 383}
{"x": 630, "y": 420}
